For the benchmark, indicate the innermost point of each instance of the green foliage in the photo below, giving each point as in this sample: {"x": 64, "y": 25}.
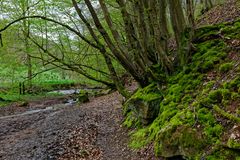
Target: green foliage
{"x": 141, "y": 136}
{"x": 233, "y": 85}
{"x": 233, "y": 144}
{"x": 215, "y": 96}
{"x": 149, "y": 93}
{"x": 208, "y": 55}
{"x": 223, "y": 154}
{"x": 232, "y": 30}
{"x": 131, "y": 121}
{"x": 226, "y": 115}
{"x": 225, "y": 67}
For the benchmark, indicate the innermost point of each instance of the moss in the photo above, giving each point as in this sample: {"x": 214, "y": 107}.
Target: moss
{"x": 187, "y": 98}
{"x": 179, "y": 140}
{"x": 233, "y": 144}
{"x": 213, "y": 132}
{"x": 226, "y": 93}
{"x": 144, "y": 105}
{"x": 222, "y": 154}
{"x": 139, "y": 139}
{"x": 208, "y": 54}
{"x": 204, "y": 115}
{"x": 233, "y": 85}
{"x": 232, "y": 31}
{"x": 225, "y": 67}
{"x": 226, "y": 115}
{"x": 235, "y": 96}
{"x": 131, "y": 121}
{"x": 148, "y": 93}
{"x": 202, "y": 34}
{"x": 207, "y": 66}
{"x": 215, "y": 96}
{"x": 210, "y": 84}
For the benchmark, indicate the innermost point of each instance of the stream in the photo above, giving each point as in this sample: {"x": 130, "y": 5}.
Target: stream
{"x": 45, "y": 105}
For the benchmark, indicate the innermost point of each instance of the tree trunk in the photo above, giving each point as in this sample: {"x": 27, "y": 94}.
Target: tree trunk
{"x": 179, "y": 25}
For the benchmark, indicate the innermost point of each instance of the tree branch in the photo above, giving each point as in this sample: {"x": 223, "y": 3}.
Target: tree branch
{"x": 54, "y": 21}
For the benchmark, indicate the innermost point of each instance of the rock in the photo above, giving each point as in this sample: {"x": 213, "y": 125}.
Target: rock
{"x": 83, "y": 97}
{"x": 234, "y": 138}
{"x": 179, "y": 140}
{"x": 144, "y": 104}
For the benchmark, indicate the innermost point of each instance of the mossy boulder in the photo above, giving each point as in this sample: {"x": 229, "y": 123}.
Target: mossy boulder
{"x": 179, "y": 140}
{"x": 144, "y": 104}
{"x": 83, "y": 97}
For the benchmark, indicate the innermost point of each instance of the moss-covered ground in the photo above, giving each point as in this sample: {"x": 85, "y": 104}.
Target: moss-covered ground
{"x": 201, "y": 102}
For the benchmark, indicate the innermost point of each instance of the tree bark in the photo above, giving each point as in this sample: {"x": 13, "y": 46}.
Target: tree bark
{"x": 179, "y": 25}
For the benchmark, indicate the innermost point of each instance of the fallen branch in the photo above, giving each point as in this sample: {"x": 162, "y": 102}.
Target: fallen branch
{"x": 225, "y": 114}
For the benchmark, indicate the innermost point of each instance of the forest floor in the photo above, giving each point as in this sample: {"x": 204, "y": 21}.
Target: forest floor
{"x": 48, "y": 129}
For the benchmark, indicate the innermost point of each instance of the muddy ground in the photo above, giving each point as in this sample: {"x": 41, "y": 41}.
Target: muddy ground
{"x": 50, "y": 130}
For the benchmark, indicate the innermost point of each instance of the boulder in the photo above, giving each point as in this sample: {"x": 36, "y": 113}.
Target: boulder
{"x": 144, "y": 104}
{"x": 179, "y": 140}
{"x": 83, "y": 97}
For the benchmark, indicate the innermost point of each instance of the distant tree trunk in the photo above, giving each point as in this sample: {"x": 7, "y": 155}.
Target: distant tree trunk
{"x": 207, "y": 4}
{"x": 190, "y": 13}
{"x": 26, "y": 32}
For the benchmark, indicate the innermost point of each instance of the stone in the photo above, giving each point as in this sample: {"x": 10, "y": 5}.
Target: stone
{"x": 144, "y": 104}
{"x": 83, "y": 97}
{"x": 180, "y": 140}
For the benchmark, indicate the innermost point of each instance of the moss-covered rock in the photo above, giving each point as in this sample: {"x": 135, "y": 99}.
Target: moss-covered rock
{"x": 83, "y": 97}
{"x": 144, "y": 104}
{"x": 181, "y": 140}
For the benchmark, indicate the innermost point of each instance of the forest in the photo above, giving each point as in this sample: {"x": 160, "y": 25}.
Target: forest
{"x": 120, "y": 79}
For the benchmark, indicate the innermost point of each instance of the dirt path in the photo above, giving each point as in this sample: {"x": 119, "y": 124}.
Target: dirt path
{"x": 90, "y": 131}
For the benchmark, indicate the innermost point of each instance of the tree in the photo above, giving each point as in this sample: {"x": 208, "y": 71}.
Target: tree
{"x": 139, "y": 41}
